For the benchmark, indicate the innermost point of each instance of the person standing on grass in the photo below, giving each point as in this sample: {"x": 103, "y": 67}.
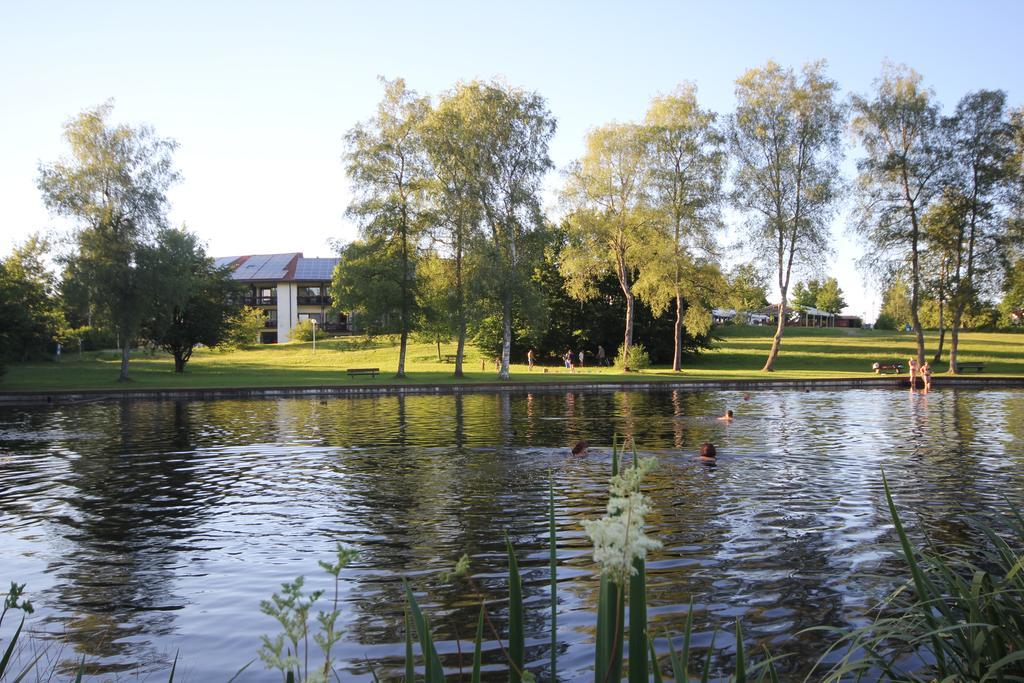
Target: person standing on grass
{"x": 530, "y": 358}
{"x": 601, "y": 359}
{"x": 581, "y": 358}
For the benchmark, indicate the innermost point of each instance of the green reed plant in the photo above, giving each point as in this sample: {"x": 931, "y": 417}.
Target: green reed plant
{"x": 15, "y": 600}
{"x": 289, "y": 651}
{"x": 961, "y": 612}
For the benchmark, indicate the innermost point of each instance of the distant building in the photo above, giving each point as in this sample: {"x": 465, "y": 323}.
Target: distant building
{"x": 288, "y": 288}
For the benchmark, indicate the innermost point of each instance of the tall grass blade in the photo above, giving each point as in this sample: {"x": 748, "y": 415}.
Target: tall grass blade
{"x": 553, "y": 568}
{"x": 174, "y": 666}
{"x": 615, "y": 456}
{"x": 741, "y": 664}
{"x": 241, "y": 671}
{"x": 603, "y": 645}
{"x": 516, "y": 638}
{"x": 773, "y": 674}
{"x": 410, "y": 664}
{"x": 655, "y": 667}
{"x": 608, "y": 650}
{"x": 638, "y": 672}
{"x": 28, "y": 668}
{"x": 81, "y": 670}
{"x": 687, "y": 634}
{"x": 10, "y": 648}
{"x": 478, "y": 653}
{"x": 921, "y": 584}
{"x": 706, "y": 673}
{"x": 432, "y": 663}
{"x": 679, "y": 671}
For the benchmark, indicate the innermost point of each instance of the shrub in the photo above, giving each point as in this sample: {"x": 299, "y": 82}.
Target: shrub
{"x": 638, "y": 359}
{"x": 303, "y": 331}
{"x": 243, "y": 329}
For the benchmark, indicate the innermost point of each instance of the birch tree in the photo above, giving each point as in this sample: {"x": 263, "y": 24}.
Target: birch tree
{"x": 505, "y": 149}
{"x": 785, "y": 139}
{"x": 456, "y": 211}
{"x": 387, "y": 164}
{"x": 113, "y": 185}
{"x": 898, "y": 126}
{"x": 610, "y": 224}
{"x": 977, "y": 209}
{"x": 685, "y": 168}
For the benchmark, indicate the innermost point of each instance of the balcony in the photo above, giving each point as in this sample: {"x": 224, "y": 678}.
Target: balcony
{"x": 259, "y": 300}
{"x": 324, "y": 300}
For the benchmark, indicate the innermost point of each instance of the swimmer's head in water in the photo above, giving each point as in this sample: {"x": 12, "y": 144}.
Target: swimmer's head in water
{"x": 580, "y": 448}
{"x": 707, "y": 450}
{"x": 728, "y": 414}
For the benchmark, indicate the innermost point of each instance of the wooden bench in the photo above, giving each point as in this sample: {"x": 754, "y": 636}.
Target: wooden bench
{"x": 882, "y": 368}
{"x": 372, "y": 372}
{"x": 970, "y": 366}
{"x": 450, "y": 357}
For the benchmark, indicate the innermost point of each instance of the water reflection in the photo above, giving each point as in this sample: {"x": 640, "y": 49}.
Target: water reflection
{"x": 144, "y": 528}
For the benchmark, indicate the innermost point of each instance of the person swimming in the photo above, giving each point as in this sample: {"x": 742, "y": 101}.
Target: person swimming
{"x": 728, "y": 417}
{"x": 580, "y": 449}
{"x": 707, "y": 451}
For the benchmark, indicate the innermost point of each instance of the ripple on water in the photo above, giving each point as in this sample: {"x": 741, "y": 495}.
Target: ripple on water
{"x": 144, "y": 528}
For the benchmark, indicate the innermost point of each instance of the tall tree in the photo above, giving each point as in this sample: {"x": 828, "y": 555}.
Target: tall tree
{"x": 505, "y": 144}
{"x": 829, "y": 297}
{"x": 30, "y": 313}
{"x": 686, "y": 165}
{"x": 192, "y": 301}
{"x": 113, "y": 184}
{"x": 611, "y": 224}
{"x": 805, "y": 294}
{"x": 368, "y": 282}
{"x": 456, "y": 210}
{"x": 746, "y": 288}
{"x": 387, "y": 163}
{"x": 941, "y": 228}
{"x": 785, "y": 136}
{"x": 894, "y": 313}
{"x": 899, "y": 176}
{"x": 981, "y": 145}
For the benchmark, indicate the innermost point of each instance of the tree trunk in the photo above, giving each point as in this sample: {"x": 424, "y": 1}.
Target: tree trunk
{"x": 461, "y": 348}
{"x": 915, "y": 268}
{"x": 954, "y": 341}
{"x": 124, "y": 362}
{"x": 776, "y": 341}
{"x": 769, "y": 365}
{"x": 405, "y": 294}
{"x": 627, "y": 342}
{"x": 438, "y": 350}
{"x": 401, "y": 348}
{"x": 942, "y": 333}
{"x": 506, "y": 334}
{"x": 677, "y": 354}
{"x": 460, "y": 307}
{"x": 179, "y": 362}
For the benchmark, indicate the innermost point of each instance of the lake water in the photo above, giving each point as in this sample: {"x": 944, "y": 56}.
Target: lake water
{"x": 148, "y": 528}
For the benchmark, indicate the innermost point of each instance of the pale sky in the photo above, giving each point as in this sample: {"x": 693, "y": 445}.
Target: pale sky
{"x": 260, "y": 94}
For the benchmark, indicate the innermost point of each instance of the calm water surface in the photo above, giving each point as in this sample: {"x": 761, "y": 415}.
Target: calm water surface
{"x": 148, "y": 528}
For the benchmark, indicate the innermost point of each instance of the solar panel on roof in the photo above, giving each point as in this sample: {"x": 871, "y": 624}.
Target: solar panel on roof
{"x": 315, "y": 268}
{"x": 275, "y": 267}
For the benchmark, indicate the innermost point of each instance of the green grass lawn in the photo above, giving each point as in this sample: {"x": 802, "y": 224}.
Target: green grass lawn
{"x": 738, "y": 354}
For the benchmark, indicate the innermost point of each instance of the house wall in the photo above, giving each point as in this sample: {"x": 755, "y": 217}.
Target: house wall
{"x": 287, "y": 310}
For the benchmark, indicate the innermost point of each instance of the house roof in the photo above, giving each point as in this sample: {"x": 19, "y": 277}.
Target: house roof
{"x": 288, "y": 267}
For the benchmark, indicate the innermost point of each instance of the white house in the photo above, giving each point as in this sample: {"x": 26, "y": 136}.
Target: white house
{"x": 288, "y": 288}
